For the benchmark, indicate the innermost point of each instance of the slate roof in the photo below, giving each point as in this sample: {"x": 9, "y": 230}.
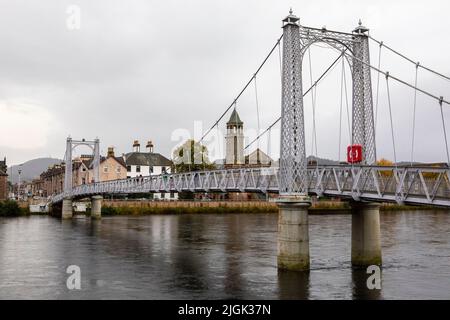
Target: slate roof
{"x": 90, "y": 162}
{"x": 263, "y": 157}
{"x": 234, "y": 119}
{"x": 146, "y": 159}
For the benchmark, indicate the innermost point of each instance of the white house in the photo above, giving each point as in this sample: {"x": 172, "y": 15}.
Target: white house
{"x": 149, "y": 163}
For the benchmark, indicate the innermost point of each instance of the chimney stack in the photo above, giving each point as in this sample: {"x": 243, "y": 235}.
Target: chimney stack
{"x": 110, "y": 152}
{"x": 136, "y": 146}
{"x": 150, "y": 146}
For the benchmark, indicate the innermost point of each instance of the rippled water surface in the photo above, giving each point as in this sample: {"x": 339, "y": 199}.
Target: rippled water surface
{"x": 217, "y": 257}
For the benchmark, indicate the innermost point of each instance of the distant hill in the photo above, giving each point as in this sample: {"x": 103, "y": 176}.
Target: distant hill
{"x": 31, "y": 169}
{"x": 311, "y": 161}
{"x": 321, "y": 161}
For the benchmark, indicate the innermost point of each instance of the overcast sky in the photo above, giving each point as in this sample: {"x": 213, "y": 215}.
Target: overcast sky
{"x": 151, "y": 69}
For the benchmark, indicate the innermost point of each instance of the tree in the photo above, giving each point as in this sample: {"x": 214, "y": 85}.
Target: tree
{"x": 9, "y": 208}
{"x": 385, "y": 163}
{"x": 191, "y": 156}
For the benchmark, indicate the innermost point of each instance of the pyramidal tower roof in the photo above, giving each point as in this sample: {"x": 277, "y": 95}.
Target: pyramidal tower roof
{"x": 234, "y": 119}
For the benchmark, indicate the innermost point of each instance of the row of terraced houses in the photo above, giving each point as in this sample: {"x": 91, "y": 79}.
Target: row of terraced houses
{"x": 133, "y": 164}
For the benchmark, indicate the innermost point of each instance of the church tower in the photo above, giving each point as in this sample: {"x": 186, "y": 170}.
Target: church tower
{"x": 235, "y": 141}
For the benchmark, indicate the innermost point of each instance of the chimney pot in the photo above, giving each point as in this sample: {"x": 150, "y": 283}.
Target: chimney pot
{"x": 149, "y": 146}
{"x": 136, "y": 146}
{"x": 110, "y": 152}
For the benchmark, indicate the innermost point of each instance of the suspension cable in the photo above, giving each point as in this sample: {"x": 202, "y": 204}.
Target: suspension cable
{"x": 378, "y": 86}
{"x": 245, "y": 87}
{"x": 279, "y": 58}
{"x": 340, "y": 109}
{"x": 445, "y": 133}
{"x": 315, "y": 127}
{"x": 269, "y": 144}
{"x": 313, "y": 104}
{"x": 219, "y": 141}
{"x": 390, "y": 116}
{"x": 385, "y": 73}
{"x": 408, "y": 59}
{"x": 262, "y": 133}
{"x": 307, "y": 91}
{"x": 349, "y": 126}
{"x": 257, "y": 108}
{"x": 414, "y": 115}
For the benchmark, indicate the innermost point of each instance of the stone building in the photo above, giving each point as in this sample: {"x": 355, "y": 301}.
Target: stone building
{"x": 235, "y": 158}
{"x": 258, "y": 158}
{"x": 51, "y": 181}
{"x": 111, "y": 167}
{"x": 3, "y": 180}
{"x": 37, "y": 187}
{"x": 234, "y": 141}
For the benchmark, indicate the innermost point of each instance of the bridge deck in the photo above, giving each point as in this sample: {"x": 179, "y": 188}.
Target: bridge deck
{"x": 408, "y": 185}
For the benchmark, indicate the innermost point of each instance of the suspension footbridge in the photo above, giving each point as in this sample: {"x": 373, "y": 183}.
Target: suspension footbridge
{"x": 360, "y": 180}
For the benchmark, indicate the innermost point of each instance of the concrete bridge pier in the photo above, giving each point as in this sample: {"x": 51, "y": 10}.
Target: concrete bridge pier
{"x": 67, "y": 209}
{"x": 96, "y": 207}
{"x": 293, "y": 233}
{"x": 366, "y": 239}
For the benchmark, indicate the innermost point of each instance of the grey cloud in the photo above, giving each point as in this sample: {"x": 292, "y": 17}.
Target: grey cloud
{"x": 141, "y": 69}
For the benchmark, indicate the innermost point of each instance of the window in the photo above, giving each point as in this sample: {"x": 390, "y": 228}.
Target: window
{"x": 105, "y": 169}
{"x": 138, "y": 168}
{"x": 83, "y": 180}
{"x": 150, "y": 170}
{"x": 118, "y": 169}
{"x": 128, "y": 168}
{"x": 172, "y": 195}
{"x": 163, "y": 169}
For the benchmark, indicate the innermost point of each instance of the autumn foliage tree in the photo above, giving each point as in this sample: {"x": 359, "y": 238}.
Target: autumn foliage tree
{"x": 385, "y": 163}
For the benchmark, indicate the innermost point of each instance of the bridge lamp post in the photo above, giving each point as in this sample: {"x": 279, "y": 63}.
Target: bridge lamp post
{"x": 19, "y": 185}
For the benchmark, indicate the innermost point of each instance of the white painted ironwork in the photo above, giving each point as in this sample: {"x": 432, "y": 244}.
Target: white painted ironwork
{"x": 368, "y": 182}
{"x": 293, "y": 175}
{"x": 296, "y": 40}
{"x": 409, "y": 185}
{"x": 70, "y": 146}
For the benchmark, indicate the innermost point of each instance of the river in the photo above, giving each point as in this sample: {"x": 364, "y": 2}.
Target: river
{"x": 217, "y": 256}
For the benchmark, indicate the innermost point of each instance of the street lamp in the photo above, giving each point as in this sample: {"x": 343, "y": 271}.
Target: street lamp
{"x": 19, "y": 184}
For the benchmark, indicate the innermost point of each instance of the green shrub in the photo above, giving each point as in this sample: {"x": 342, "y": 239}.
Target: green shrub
{"x": 9, "y": 208}
{"x": 108, "y": 211}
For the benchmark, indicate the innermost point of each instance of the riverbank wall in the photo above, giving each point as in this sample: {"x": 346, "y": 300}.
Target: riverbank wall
{"x": 146, "y": 207}
{"x": 135, "y": 207}
{"x": 120, "y": 207}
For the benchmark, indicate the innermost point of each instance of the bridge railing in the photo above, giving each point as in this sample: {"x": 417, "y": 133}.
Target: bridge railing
{"x": 415, "y": 185}
{"x": 419, "y": 185}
